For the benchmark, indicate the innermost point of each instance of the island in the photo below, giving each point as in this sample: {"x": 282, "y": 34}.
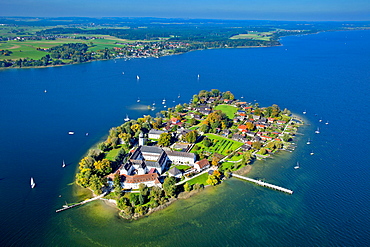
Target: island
{"x": 147, "y": 163}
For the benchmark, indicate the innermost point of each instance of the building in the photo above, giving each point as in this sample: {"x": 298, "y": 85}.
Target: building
{"x": 155, "y": 134}
{"x": 181, "y": 157}
{"x": 143, "y": 159}
{"x": 133, "y": 182}
{"x": 201, "y": 165}
{"x": 174, "y": 172}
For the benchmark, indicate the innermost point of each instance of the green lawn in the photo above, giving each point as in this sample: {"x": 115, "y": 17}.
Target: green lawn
{"x": 199, "y": 180}
{"x": 229, "y": 110}
{"x": 112, "y": 154}
{"x": 227, "y": 165}
{"x": 182, "y": 167}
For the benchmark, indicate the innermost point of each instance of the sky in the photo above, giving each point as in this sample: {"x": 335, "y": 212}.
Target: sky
{"x": 291, "y": 10}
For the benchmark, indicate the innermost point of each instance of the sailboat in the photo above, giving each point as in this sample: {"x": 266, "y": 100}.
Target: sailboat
{"x": 304, "y": 112}
{"x": 137, "y": 77}
{"x": 127, "y": 118}
{"x": 64, "y": 164}
{"x": 317, "y": 131}
{"x": 327, "y": 123}
{"x": 178, "y": 96}
{"x": 297, "y": 166}
{"x": 33, "y": 184}
{"x": 320, "y": 120}
{"x": 308, "y": 141}
{"x": 198, "y": 76}
{"x": 138, "y": 100}
{"x": 312, "y": 153}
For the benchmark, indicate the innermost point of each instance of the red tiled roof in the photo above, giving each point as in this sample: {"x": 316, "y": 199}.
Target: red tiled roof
{"x": 202, "y": 163}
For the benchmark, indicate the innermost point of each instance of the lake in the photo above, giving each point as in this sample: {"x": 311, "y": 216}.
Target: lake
{"x": 326, "y": 74}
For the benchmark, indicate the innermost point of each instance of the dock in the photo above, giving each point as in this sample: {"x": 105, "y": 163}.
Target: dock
{"x": 80, "y": 203}
{"x": 264, "y": 184}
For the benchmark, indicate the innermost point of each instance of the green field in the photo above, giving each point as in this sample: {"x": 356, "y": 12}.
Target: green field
{"x": 199, "y": 180}
{"x": 229, "y": 110}
{"x": 223, "y": 144}
{"x": 27, "y": 49}
{"x": 254, "y": 35}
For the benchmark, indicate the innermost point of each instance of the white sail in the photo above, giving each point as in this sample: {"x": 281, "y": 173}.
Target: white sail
{"x": 64, "y": 164}
{"x": 33, "y": 184}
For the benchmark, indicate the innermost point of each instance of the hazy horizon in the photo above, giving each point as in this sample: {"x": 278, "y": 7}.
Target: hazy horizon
{"x": 284, "y": 10}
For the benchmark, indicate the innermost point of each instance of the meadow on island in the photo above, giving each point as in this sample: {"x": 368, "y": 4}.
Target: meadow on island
{"x": 148, "y": 163}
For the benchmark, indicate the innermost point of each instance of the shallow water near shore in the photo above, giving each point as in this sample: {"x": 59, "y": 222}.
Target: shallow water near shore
{"x": 326, "y": 74}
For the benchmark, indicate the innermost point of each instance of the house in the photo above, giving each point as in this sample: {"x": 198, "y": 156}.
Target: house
{"x": 155, "y": 134}
{"x": 270, "y": 120}
{"x": 133, "y": 182}
{"x": 201, "y": 165}
{"x": 256, "y": 117}
{"x": 174, "y": 172}
{"x": 246, "y": 147}
{"x": 250, "y": 134}
{"x": 181, "y": 157}
{"x": 242, "y": 128}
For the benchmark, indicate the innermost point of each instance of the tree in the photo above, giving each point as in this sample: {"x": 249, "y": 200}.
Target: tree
{"x": 96, "y": 184}
{"x": 256, "y": 145}
{"x": 103, "y": 167}
{"x": 207, "y": 142}
{"x": 169, "y": 186}
{"x": 263, "y": 151}
{"x": 195, "y": 98}
{"x": 136, "y": 127}
{"x": 212, "y": 180}
{"x": 228, "y": 95}
{"x": 164, "y": 139}
{"x": 187, "y": 187}
{"x": 125, "y": 137}
{"x": 215, "y": 161}
{"x": 144, "y": 190}
{"x": 191, "y": 136}
{"x": 134, "y": 199}
{"x": 122, "y": 203}
{"x": 155, "y": 193}
{"x": 204, "y": 128}
{"x": 249, "y": 125}
{"x": 215, "y": 92}
{"x": 286, "y": 138}
{"x": 117, "y": 181}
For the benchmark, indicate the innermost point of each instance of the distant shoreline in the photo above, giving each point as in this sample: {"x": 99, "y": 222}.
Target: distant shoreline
{"x": 129, "y": 58}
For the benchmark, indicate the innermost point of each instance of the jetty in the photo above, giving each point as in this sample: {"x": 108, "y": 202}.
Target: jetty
{"x": 264, "y": 184}
{"x": 80, "y": 203}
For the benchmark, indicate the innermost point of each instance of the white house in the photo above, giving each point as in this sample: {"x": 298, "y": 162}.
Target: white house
{"x": 133, "y": 182}
{"x": 155, "y": 134}
{"x": 201, "y": 165}
{"x": 181, "y": 157}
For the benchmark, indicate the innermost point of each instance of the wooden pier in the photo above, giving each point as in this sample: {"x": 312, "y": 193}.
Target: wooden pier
{"x": 264, "y": 184}
{"x": 80, "y": 203}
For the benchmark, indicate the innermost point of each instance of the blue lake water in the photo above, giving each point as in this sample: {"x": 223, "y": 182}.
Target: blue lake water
{"x": 327, "y": 74}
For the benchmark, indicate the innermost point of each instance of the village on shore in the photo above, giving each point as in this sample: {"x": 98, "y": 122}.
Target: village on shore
{"x": 147, "y": 163}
